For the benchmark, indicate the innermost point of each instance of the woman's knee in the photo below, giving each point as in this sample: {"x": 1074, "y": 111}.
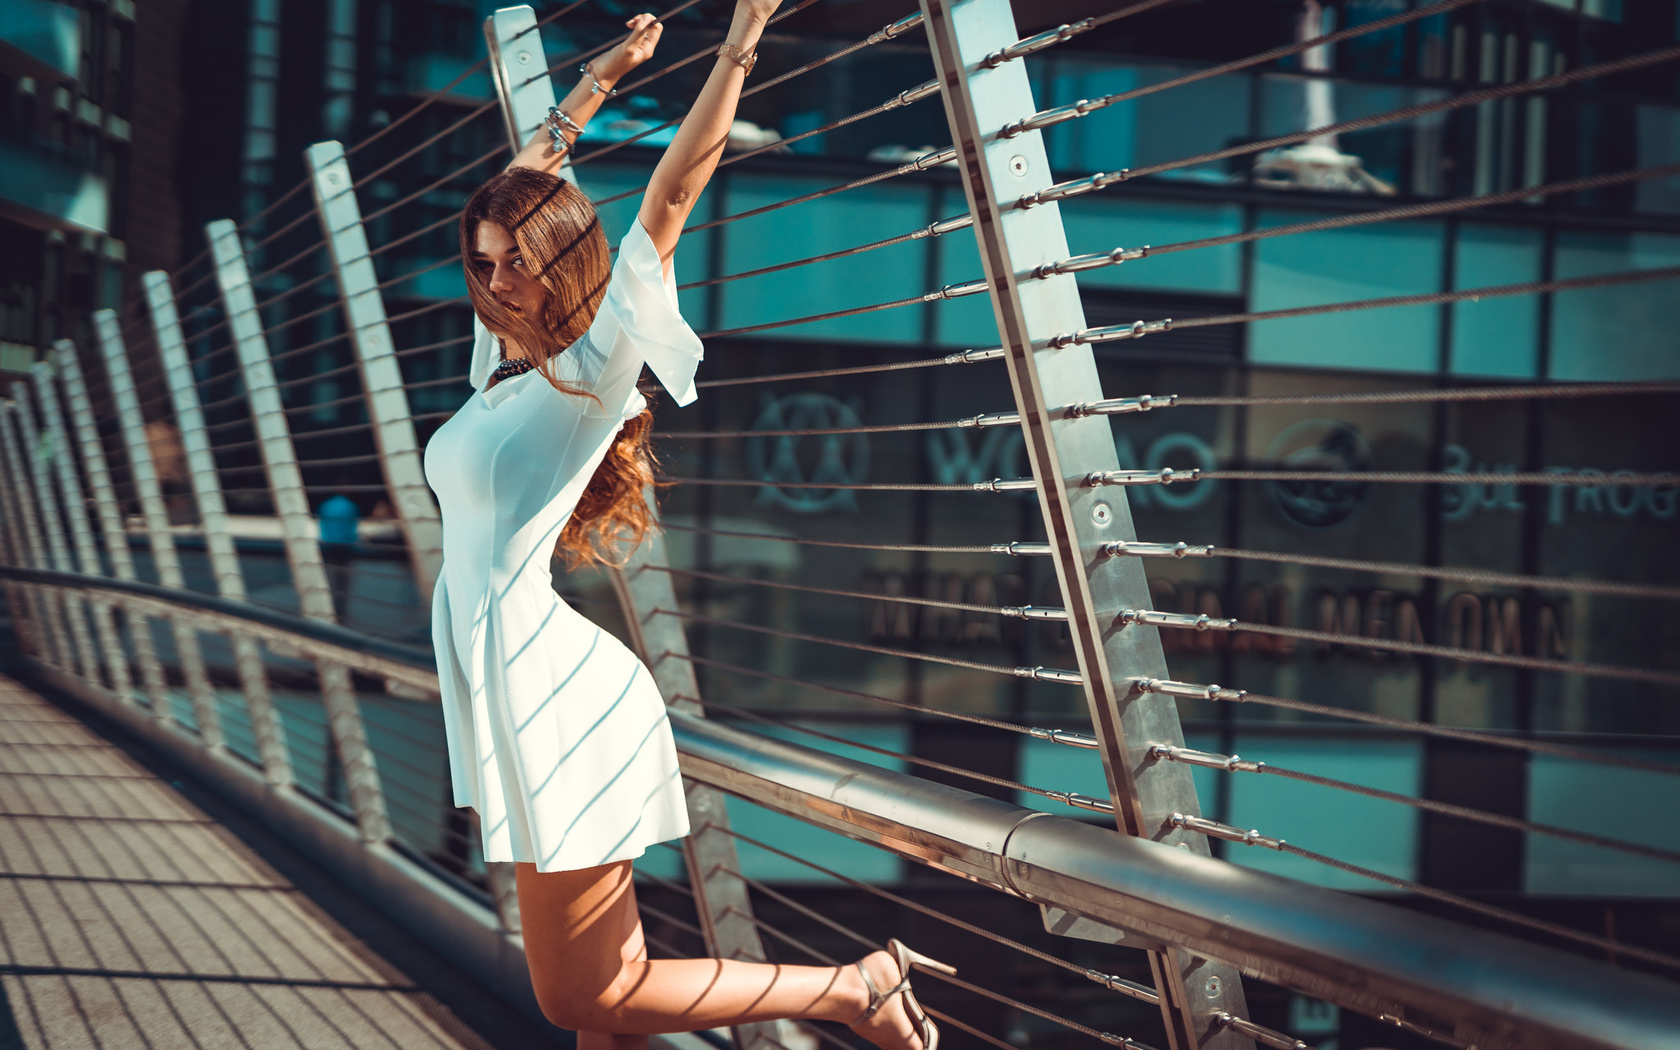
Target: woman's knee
{"x": 583, "y": 1006}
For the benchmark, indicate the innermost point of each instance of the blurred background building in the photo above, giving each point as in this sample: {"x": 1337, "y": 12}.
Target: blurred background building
{"x": 127, "y": 126}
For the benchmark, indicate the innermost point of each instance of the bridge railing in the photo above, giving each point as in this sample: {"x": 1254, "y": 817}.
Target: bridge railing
{"x": 170, "y": 494}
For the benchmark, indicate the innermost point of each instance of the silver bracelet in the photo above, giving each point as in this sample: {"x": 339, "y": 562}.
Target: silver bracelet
{"x": 555, "y": 119}
{"x": 595, "y": 86}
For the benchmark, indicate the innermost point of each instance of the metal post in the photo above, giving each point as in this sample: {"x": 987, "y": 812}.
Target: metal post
{"x": 76, "y": 509}
{"x": 157, "y": 530}
{"x": 1078, "y": 518}
{"x": 519, "y": 69}
{"x": 720, "y": 895}
{"x": 18, "y": 604}
{"x": 212, "y": 513}
{"x": 297, "y": 526}
{"x": 110, "y": 520}
{"x": 382, "y": 382}
{"x": 31, "y": 550}
{"x": 75, "y": 607}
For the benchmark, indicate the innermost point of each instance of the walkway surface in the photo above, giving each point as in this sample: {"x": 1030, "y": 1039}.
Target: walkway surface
{"x": 130, "y": 919}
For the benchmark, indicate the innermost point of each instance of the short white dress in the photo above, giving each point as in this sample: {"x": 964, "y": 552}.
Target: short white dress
{"x": 557, "y": 734}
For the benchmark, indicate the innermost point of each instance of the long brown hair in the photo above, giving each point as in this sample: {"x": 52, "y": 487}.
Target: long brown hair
{"x": 560, "y": 237}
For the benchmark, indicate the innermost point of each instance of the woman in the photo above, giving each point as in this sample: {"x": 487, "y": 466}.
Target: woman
{"x": 557, "y": 734}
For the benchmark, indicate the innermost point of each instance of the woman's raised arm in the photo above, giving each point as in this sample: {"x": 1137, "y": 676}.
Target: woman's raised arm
{"x": 693, "y": 154}
{"x": 582, "y": 101}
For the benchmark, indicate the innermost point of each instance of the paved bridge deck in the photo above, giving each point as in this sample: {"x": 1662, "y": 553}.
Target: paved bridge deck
{"x": 128, "y": 918}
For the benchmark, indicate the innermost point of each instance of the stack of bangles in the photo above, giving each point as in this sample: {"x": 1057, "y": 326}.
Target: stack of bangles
{"x": 557, "y": 122}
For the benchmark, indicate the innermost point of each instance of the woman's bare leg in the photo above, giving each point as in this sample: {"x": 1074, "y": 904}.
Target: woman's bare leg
{"x": 634, "y": 950}
{"x": 589, "y": 979}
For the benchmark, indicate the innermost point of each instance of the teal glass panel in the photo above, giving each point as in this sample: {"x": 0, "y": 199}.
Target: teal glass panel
{"x": 1369, "y": 832}
{"x": 1621, "y": 332}
{"x": 1179, "y": 122}
{"x": 1100, "y": 223}
{"x": 1601, "y": 800}
{"x": 845, "y": 220}
{"x": 1496, "y": 336}
{"x": 1658, "y": 136}
{"x": 1333, "y": 266}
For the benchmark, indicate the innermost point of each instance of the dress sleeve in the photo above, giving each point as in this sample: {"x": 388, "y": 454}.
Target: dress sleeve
{"x": 638, "y": 323}
{"x": 484, "y": 355}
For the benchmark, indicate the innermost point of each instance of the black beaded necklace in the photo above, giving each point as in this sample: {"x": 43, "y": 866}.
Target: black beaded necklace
{"x": 512, "y": 366}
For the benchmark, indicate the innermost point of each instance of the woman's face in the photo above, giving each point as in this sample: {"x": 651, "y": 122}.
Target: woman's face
{"x": 497, "y": 258}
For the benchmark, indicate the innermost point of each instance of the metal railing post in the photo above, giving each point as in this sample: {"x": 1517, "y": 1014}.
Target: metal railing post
{"x": 382, "y": 381}
{"x": 76, "y": 509}
{"x": 212, "y": 514}
{"x": 520, "y": 72}
{"x": 297, "y": 525}
{"x": 164, "y": 556}
{"x": 51, "y": 631}
{"x": 720, "y": 894}
{"x": 98, "y": 472}
{"x": 58, "y": 545}
{"x": 980, "y": 98}
{"x": 18, "y": 600}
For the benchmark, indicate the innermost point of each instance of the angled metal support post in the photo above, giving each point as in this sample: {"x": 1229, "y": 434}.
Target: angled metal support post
{"x": 297, "y": 525}
{"x": 520, "y": 71}
{"x": 212, "y": 514}
{"x": 20, "y": 603}
{"x": 49, "y": 621}
{"x": 164, "y": 556}
{"x": 98, "y": 472}
{"x": 76, "y": 509}
{"x": 714, "y": 870}
{"x": 382, "y": 381}
{"x": 981, "y": 97}
{"x": 36, "y": 453}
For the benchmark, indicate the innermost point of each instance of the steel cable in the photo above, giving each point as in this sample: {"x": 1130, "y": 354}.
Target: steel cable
{"x": 590, "y": 53}
{"x": 429, "y": 187}
{"x": 934, "y": 913}
{"x": 1478, "y": 576}
{"x": 1623, "y": 479}
{"x": 1041, "y": 674}
{"x": 433, "y": 346}
{"x": 1479, "y": 816}
{"x": 1016, "y": 547}
{"x": 844, "y": 486}
{"x": 421, "y": 232}
{"x": 959, "y": 716}
{"x": 296, "y": 288}
{"x": 410, "y": 275}
{"x": 808, "y": 260}
{"x": 903, "y": 599}
{"x": 884, "y": 34}
{"x": 428, "y": 308}
{"x": 1049, "y": 118}
{"x": 984, "y": 778}
{"x": 932, "y": 160}
{"x": 1417, "y": 211}
{"x": 1471, "y": 736}
{"x": 1001, "y": 418}
{"x": 1489, "y": 910}
{"x": 965, "y": 358}
{"x": 949, "y": 291}
{"x": 1531, "y": 392}
{"x": 424, "y": 144}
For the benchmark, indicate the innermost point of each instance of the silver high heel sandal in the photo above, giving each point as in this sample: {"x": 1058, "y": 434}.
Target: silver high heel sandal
{"x": 919, "y": 1020}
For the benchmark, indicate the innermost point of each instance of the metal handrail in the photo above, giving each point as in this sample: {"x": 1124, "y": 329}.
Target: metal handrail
{"x": 1465, "y": 985}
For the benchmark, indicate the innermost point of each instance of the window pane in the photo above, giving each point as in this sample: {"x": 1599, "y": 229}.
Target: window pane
{"x": 1098, "y": 224}
{"x": 1340, "y": 265}
{"x": 1624, "y": 332}
{"x": 1496, "y": 337}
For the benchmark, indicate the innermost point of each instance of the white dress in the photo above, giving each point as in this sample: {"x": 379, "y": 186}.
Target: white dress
{"x": 557, "y": 734}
